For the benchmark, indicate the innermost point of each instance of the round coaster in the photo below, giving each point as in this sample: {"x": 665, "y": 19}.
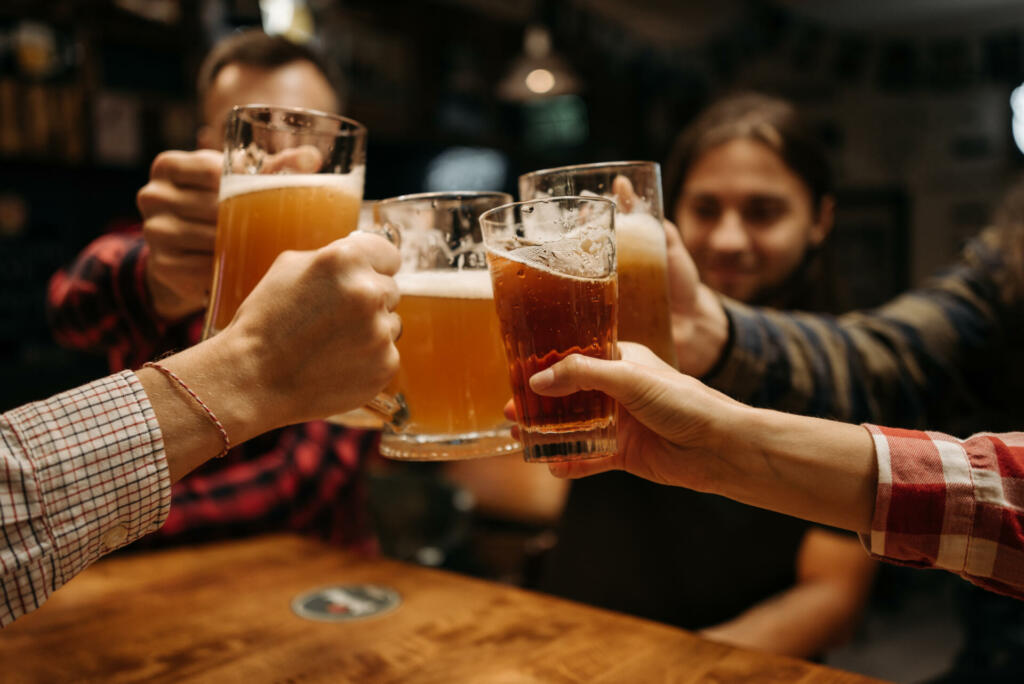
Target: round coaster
{"x": 341, "y": 603}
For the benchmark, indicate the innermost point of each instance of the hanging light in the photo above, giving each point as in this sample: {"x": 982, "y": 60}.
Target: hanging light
{"x": 538, "y": 71}
{"x": 1017, "y": 107}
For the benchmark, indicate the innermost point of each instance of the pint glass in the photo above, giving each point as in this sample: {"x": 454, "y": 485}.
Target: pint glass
{"x": 452, "y": 383}
{"x": 642, "y": 263}
{"x": 293, "y": 179}
{"x": 552, "y": 265}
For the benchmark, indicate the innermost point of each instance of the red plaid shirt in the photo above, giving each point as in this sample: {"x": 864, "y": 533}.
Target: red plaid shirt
{"x": 305, "y": 478}
{"x": 81, "y": 474}
{"x": 952, "y": 504}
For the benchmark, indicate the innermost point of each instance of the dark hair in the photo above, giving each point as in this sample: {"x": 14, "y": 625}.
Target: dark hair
{"x": 254, "y": 48}
{"x": 751, "y": 116}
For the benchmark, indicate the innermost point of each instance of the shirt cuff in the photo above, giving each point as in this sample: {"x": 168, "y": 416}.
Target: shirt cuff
{"x": 925, "y": 506}
{"x": 98, "y": 456}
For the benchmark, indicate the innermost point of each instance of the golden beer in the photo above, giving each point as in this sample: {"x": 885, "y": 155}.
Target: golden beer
{"x": 643, "y": 284}
{"x": 453, "y": 375}
{"x": 261, "y": 216}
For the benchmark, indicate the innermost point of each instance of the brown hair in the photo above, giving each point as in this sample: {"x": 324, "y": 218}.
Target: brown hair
{"x": 776, "y": 124}
{"x": 255, "y": 48}
{"x": 751, "y": 116}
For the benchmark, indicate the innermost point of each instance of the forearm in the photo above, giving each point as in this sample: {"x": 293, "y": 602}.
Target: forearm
{"x": 801, "y": 622}
{"x": 809, "y": 468}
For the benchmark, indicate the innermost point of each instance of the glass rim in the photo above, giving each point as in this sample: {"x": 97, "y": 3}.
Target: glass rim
{"x": 353, "y": 127}
{"x": 543, "y": 200}
{"x": 590, "y": 166}
{"x": 453, "y": 195}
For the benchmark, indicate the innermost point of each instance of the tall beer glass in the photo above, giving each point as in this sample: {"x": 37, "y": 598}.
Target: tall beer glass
{"x": 635, "y": 186}
{"x": 452, "y": 384}
{"x": 293, "y": 179}
{"x": 552, "y": 265}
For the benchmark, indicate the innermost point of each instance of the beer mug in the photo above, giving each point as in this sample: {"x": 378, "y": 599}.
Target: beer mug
{"x": 635, "y": 187}
{"x": 552, "y": 265}
{"x": 293, "y": 179}
{"x": 452, "y": 383}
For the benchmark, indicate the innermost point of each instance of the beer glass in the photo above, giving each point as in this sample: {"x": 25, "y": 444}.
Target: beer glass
{"x": 452, "y": 384}
{"x": 293, "y": 179}
{"x": 635, "y": 186}
{"x": 552, "y": 265}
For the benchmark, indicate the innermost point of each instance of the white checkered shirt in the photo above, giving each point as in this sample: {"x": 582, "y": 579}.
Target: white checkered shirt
{"x": 81, "y": 474}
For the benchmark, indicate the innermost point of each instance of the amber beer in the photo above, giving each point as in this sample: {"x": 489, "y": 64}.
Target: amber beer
{"x": 452, "y": 375}
{"x": 545, "y": 317}
{"x": 261, "y": 216}
{"x": 643, "y": 277}
{"x": 643, "y": 264}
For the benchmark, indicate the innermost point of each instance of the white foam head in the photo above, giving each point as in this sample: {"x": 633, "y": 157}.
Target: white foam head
{"x": 639, "y": 232}
{"x": 450, "y": 284}
{"x": 241, "y": 183}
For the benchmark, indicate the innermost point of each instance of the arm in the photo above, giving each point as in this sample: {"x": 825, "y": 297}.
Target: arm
{"x": 819, "y": 612}
{"x": 90, "y": 470}
{"x": 100, "y": 303}
{"x": 927, "y": 357}
{"x": 918, "y": 498}
{"x": 121, "y": 294}
{"x": 506, "y": 487}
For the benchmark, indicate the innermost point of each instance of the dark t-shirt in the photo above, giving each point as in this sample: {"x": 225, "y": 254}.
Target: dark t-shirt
{"x": 667, "y": 553}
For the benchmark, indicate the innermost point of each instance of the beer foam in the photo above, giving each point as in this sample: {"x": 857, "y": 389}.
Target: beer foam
{"x": 244, "y": 183}
{"x": 538, "y": 258}
{"x": 450, "y": 284}
{"x": 638, "y": 232}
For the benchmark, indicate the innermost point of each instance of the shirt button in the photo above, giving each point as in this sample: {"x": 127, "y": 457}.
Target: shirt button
{"x": 115, "y": 537}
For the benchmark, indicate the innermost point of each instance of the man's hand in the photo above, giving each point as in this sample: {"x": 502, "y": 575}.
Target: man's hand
{"x": 314, "y": 338}
{"x": 700, "y": 328}
{"x": 317, "y": 333}
{"x": 179, "y": 211}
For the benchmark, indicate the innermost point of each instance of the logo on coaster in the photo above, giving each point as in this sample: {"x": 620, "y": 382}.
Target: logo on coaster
{"x": 346, "y": 602}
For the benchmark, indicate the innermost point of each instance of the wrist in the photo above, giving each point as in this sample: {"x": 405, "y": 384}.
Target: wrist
{"x": 166, "y": 304}
{"x": 222, "y": 373}
{"x": 703, "y": 334}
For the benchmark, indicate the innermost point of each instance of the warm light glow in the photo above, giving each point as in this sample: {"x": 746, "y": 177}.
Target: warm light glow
{"x": 540, "y": 81}
{"x": 1017, "y": 105}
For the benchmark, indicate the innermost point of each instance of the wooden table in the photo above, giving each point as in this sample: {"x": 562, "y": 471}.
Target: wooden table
{"x": 221, "y": 613}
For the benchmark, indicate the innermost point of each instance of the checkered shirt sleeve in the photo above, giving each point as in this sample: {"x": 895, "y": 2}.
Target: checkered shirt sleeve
{"x": 952, "y": 504}
{"x": 81, "y": 474}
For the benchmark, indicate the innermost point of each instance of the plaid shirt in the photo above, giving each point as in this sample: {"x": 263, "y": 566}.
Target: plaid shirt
{"x": 951, "y": 504}
{"x": 950, "y": 355}
{"x": 81, "y": 474}
{"x": 305, "y": 478}
{"x": 947, "y": 355}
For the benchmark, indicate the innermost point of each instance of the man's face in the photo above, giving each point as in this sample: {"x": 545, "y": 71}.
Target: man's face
{"x": 296, "y": 84}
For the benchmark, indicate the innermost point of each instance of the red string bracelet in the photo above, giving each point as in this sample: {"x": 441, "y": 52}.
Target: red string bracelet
{"x": 173, "y": 376}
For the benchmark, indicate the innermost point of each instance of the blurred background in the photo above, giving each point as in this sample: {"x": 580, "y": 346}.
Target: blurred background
{"x": 914, "y": 98}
